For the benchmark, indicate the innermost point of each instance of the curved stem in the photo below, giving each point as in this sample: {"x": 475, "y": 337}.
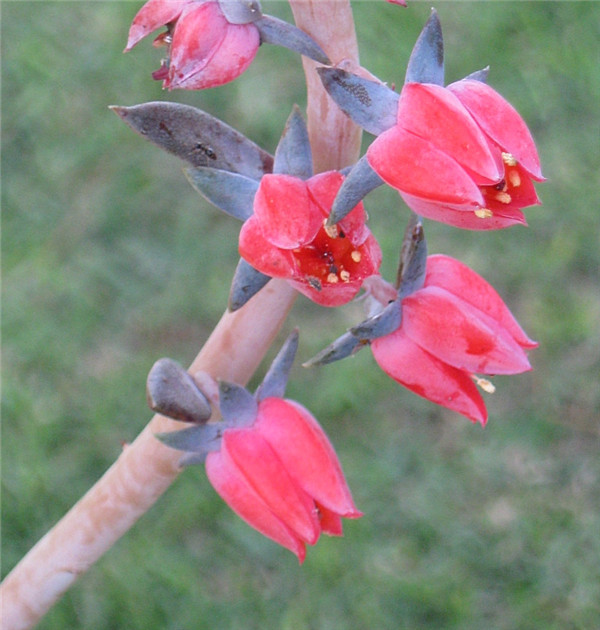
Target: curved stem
{"x": 146, "y": 468}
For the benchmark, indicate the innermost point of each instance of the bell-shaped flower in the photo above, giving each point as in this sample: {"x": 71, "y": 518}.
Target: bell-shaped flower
{"x": 460, "y": 154}
{"x": 282, "y": 476}
{"x": 455, "y": 327}
{"x": 286, "y": 237}
{"x": 205, "y": 49}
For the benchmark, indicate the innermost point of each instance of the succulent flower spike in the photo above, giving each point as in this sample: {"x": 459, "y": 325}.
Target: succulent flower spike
{"x": 172, "y": 392}
{"x": 196, "y": 137}
{"x": 212, "y": 42}
{"x": 459, "y": 154}
{"x": 271, "y": 461}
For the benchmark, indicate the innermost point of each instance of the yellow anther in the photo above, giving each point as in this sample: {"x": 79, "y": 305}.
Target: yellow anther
{"x": 332, "y": 278}
{"x": 509, "y": 159}
{"x": 483, "y": 213}
{"x": 356, "y": 256}
{"x": 332, "y": 230}
{"x": 514, "y": 178}
{"x": 345, "y": 275}
{"x": 486, "y": 385}
{"x": 503, "y": 197}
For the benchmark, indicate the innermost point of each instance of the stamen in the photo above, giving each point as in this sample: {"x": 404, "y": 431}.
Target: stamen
{"x": 486, "y": 385}
{"x": 514, "y": 178}
{"x": 332, "y": 278}
{"x": 356, "y": 256}
{"x": 509, "y": 159}
{"x": 503, "y": 197}
{"x": 483, "y": 213}
{"x": 345, "y": 275}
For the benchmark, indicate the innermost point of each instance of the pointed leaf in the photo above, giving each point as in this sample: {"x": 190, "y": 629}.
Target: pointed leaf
{"x": 341, "y": 348}
{"x": 196, "y": 137}
{"x": 231, "y": 192}
{"x": 200, "y": 439}
{"x": 370, "y": 104}
{"x": 479, "y": 75}
{"x": 413, "y": 259}
{"x": 247, "y": 282}
{"x": 241, "y": 11}
{"x": 275, "y": 31}
{"x": 238, "y": 405}
{"x": 380, "y": 325}
{"x": 426, "y": 63}
{"x": 293, "y": 155}
{"x": 171, "y": 391}
{"x": 276, "y": 378}
{"x": 360, "y": 181}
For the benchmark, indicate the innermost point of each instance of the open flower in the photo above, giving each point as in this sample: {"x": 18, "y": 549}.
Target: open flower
{"x": 281, "y": 475}
{"x": 286, "y": 237}
{"x": 460, "y": 154}
{"x": 204, "y": 48}
{"x": 453, "y": 328}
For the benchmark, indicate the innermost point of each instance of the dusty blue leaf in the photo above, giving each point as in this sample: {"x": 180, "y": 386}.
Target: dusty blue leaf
{"x": 426, "y": 63}
{"x": 293, "y": 155}
{"x": 277, "y": 376}
{"x": 246, "y": 283}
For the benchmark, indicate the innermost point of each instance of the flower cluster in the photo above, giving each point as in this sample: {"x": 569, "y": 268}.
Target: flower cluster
{"x": 458, "y": 154}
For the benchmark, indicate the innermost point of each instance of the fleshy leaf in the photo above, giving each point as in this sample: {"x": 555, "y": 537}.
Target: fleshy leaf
{"x": 238, "y": 405}
{"x": 200, "y": 439}
{"x": 479, "y": 75}
{"x": 277, "y": 376}
{"x": 247, "y": 282}
{"x": 231, "y": 192}
{"x": 370, "y": 104}
{"x": 413, "y": 259}
{"x": 341, "y": 348}
{"x": 241, "y": 11}
{"x": 196, "y": 137}
{"x": 293, "y": 155}
{"x": 172, "y": 392}
{"x": 275, "y": 31}
{"x": 360, "y": 181}
{"x": 426, "y": 63}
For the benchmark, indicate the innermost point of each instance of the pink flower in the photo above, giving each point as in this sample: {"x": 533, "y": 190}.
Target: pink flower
{"x": 282, "y": 476}
{"x": 461, "y": 155}
{"x": 205, "y": 50}
{"x": 453, "y": 327}
{"x": 286, "y": 237}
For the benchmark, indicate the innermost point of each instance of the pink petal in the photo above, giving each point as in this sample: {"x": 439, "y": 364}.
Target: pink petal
{"x": 230, "y": 484}
{"x": 330, "y": 294}
{"x": 403, "y": 360}
{"x": 500, "y": 121}
{"x": 331, "y": 523}
{"x": 306, "y": 452}
{"x": 266, "y": 473}
{"x": 416, "y": 167}
{"x": 153, "y": 15}
{"x": 199, "y": 32}
{"x": 261, "y": 254}
{"x": 435, "y": 114}
{"x": 455, "y": 277}
{"x": 460, "y": 334}
{"x": 464, "y": 217}
{"x": 287, "y": 215}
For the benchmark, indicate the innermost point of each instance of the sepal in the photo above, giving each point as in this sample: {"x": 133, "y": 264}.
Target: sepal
{"x": 199, "y": 440}
{"x": 381, "y": 324}
{"x": 360, "y": 181}
{"x": 238, "y": 405}
{"x": 276, "y": 378}
{"x": 275, "y": 31}
{"x": 247, "y": 282}
{"x": 413, "y": 259}
{"x": 341, "y": 348}
{"x": 172, "y": 392}
{"x": 196, "y": 137}
{"x": 293, "y": 155}
{"x": 370, "y": 104}
{"x": 231, "y": 192}
{"x": 426, "y": 63}
{"x": 241, "y": 11}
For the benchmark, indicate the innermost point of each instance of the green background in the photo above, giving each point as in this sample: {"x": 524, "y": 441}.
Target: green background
{"x": 111, "y": 260}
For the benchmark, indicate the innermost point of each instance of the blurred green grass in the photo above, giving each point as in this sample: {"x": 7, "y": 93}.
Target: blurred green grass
{"x": 110, "y": 260}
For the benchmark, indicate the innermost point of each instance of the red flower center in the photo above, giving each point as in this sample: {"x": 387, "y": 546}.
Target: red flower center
{"x": 329, "y": 258}
{"x": 504, "y": 193}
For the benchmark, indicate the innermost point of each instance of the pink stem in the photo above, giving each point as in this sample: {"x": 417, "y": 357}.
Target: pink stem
{"x": 146, "y": 468}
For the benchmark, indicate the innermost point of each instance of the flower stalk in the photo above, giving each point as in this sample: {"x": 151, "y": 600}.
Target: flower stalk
{"x": 146, "y": 467}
